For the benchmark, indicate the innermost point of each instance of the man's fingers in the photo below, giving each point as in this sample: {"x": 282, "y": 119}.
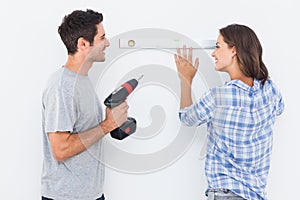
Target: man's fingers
{"x": 124, "y": 105}
{"x": 122, "y": 108}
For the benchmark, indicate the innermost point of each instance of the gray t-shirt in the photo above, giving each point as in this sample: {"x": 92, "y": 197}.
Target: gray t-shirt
{"x": 71, "y": 104}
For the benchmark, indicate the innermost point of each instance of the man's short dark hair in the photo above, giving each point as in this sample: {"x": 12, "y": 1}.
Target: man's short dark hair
{"x": 79, "y": 24}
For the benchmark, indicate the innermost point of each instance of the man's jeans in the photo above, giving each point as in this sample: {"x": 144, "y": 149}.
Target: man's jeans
{"x": 222, "y": 194}
{"x": 101, "y": 198}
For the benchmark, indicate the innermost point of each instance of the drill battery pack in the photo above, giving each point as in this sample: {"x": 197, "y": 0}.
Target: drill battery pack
{"x": 125, "y": 129}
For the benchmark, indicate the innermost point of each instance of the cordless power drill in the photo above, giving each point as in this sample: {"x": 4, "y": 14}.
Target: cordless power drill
{"x": 117, "y": 97}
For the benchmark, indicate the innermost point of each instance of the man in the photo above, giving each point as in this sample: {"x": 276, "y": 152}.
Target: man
{"x": 72, "y": 123}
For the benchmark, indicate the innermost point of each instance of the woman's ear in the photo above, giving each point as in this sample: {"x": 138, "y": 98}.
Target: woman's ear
{"x": 82, "y": 44}
{"x": 233, "y": 51}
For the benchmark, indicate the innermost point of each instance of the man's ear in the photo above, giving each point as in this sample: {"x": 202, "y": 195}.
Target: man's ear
{"x": 82, "y": 44}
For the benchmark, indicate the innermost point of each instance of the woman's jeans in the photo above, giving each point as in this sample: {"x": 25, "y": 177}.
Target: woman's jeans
{"x": 222, "y": 194}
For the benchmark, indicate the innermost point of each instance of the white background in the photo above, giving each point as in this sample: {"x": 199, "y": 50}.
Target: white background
{"x": 31, "y": 50}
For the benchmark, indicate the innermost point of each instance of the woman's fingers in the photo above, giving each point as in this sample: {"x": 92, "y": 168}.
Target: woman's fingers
{"x": 190, "y": 57}
{"x": 186, "y": 57}
{"x": 184, "y": 52}
{"x": 196, "y": 63}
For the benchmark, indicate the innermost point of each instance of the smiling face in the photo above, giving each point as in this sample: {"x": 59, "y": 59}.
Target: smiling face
{"x": 96, "y": 52}
{"x": 224, "y": 55}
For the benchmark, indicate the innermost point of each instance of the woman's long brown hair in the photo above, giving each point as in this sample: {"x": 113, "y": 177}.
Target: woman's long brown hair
{"x": 249, "y": 50}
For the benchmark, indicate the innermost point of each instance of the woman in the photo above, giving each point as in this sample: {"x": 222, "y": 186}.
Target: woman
{"x": 239, "y": 115}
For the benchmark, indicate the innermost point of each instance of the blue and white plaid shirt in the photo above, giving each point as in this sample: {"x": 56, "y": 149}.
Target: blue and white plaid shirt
{"x": 239, "y": 122}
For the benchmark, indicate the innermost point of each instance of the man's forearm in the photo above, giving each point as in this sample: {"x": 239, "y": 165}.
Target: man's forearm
{"x": 87, "y": 138}
{"x": 65, "y": 145}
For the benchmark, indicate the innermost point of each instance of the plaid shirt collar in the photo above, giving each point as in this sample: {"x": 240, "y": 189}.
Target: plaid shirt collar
{"x": 244, "y": 86}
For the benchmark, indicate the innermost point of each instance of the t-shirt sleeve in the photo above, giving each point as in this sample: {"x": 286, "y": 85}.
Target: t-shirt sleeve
{"x": 198, "y": 113}
{"x": 59, "y": 111}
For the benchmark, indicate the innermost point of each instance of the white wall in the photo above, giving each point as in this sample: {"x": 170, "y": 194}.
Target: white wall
{"x": 31, "y": 50}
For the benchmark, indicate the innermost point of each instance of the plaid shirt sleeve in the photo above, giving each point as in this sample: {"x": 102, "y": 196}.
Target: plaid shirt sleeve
{"x": 198, "y": 113}
{"x": 279, "y": 104}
